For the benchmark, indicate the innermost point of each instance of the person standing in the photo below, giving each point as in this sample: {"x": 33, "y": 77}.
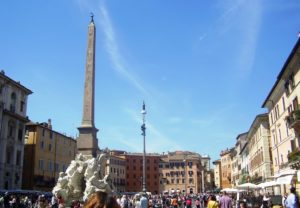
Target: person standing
{"x": 144, "y": 201}
{"x": 212, "y": 203}
{"x": 225, "y": 201}
{"x": 292, "y": 200}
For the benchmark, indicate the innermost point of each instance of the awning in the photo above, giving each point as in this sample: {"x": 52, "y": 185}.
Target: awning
{"x": 284, "y": 179}
{"x": 285, "y": 172}
{"x": 268, "y": 184}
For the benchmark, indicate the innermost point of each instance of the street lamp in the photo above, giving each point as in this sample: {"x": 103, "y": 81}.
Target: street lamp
{"x": 143, "y": 127}
{"x": 185, "y": 192}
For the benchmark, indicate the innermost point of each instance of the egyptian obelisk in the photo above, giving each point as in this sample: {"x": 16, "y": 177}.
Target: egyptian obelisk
{"x": 87, "y": 142}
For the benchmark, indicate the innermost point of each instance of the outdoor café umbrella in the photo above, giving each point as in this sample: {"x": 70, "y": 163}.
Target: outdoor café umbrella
{"x": 247, "y": 186}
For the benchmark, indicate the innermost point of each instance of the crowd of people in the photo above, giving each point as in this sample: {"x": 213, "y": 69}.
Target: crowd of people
{"x": 142, "y": 200}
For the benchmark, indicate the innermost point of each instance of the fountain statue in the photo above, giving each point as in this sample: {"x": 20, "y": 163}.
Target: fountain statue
{"x": 84, "y": 176}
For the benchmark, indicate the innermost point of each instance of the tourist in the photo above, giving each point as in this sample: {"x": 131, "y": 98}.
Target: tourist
{"x": 212, "y": 203}
{"x": 174, "y": 201}
{"x": 137, "y": 202}
{"x": 197, "y": 203}
{"x": 189, "y": 202}
{"x": 144, "y": 201}
{"x": 284, "y": 197}
{"x": 292, "y": 200}
{"x": 124, "y": 202}
{"x": 266, "y": 201}
{"x": 101, "y": 200}
{"x": 225, "y": 201}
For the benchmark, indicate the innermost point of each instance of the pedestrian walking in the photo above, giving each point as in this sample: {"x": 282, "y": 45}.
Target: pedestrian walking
{"x": 292, "y": 200}
{"x": 225, "y": 201}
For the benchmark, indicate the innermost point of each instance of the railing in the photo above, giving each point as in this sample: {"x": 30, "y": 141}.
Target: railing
{"x": 294, "y": 155}
{"x": 293, "y": 119}
{"x": 283, "y": 165}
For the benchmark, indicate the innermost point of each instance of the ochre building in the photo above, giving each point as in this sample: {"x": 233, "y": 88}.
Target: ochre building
{"x": 47, "y": 152}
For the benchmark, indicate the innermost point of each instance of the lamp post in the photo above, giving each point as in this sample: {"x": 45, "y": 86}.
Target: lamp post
{"x": 143, "y": 127}
{"x": 184, "y": 160}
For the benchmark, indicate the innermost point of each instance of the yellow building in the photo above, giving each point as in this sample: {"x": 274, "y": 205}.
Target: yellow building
{"x": 260, "y": 163}
{"x": 46, "y": 153}
{"x": 282, "y": 103}
{"x": 181, "y": 171}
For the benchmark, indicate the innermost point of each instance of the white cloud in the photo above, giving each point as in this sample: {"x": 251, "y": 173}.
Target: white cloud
{"x": 113, "y": 50}
{"x": 250, "y": 22}
{"x": 243, "y": 19}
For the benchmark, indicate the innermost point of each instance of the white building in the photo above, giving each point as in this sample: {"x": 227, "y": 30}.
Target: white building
{"x": 13, "y": 106}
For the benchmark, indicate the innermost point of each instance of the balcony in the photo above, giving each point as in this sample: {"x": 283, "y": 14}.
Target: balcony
{"x": 294, "y": 159}
{"x": 293, "y": 120}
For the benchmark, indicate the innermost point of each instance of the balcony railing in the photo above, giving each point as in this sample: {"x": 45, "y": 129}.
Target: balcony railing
{"x": 293, "y": 120}
{"x": 294, "y": 159}
{"x": 294, "y": 155}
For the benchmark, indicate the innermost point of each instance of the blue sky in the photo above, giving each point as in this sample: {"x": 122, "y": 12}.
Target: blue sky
{"x": 203, "y": 68}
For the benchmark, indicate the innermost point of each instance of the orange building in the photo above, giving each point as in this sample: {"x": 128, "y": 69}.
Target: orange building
{"x": 226, "y": 168}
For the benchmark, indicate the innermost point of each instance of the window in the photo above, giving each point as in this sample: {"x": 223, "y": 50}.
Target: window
{"x": 281, "y": 159}
{"x": 283, "y": 103}
{"x": 11, "y": 128}
{"x": 13, "y": 98}
{"x": 22, "y": 104}
{"x": 20, "y": 133}
{"x": 50, "y": 168}
{"x": 18, "y": 159}
{"x": 41, "y": 164}
{"x": 42, "y": 144}
{"x": 49, "y": 147}
{"x": 51, "y": 134}
{"x": 279, "y": 132}
{"x": 9, "y": 151}
{"x": 56, "y": 167}
{"x": 295, "y": 104}
{"x": 43, "y": 132}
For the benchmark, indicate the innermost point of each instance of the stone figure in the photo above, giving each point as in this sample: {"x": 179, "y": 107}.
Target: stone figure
{"x": 84, "y": 176}
{"x": 61, "y": 187}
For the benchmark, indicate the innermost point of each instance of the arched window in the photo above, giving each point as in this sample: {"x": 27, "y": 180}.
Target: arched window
{"x": 13, "y": 101}
{"x": 11, "y": 129}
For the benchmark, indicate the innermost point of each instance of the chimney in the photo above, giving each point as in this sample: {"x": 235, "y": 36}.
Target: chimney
{"x": 49, "y": 124}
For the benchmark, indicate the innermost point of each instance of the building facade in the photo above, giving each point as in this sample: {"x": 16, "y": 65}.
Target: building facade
{"x": 134, "y": 172}
{"x": 181, "y": 171}
{"x": 47, "y": 153}
{"x": 282, "y": 103}
{"x": 236, "y": 161}
{"x": 13, "y": 116}
{"x": 260, "y": 161}
{"x": 217, "y": 173}
{"x": 226, "y": 168}
{"x": 116, "y": 168}
{"x": 244, "y": 155}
